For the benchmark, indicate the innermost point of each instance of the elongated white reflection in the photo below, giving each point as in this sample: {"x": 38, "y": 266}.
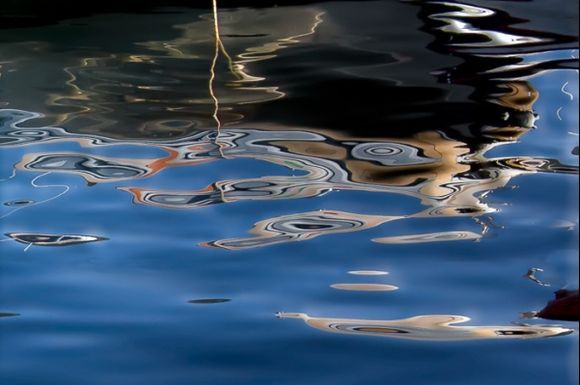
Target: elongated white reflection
{"x": 368, "y": 272}
{"x": 44, "y": 239}
{"x": 427, "y": 327}
{"x": 431, "y": 237}
{"x": 364, "y": 287}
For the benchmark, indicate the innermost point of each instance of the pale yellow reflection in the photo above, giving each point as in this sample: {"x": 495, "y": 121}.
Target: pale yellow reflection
{"x": 368, "y": 272}
{"x": 364, "y": 287}
{"x": 427, "y": 328}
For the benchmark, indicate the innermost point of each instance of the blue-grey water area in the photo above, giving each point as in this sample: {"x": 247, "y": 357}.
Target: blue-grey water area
{"x": 336, "y": 193}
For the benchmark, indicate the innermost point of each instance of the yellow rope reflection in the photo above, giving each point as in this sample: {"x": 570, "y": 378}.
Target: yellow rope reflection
{"x": 217, "y": 44}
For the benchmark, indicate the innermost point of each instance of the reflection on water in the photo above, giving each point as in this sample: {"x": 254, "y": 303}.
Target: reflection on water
{"x": 5, "y": 314}
{"x": 299, "y": 227}
{"x": 427, "y": 327}
{"x": 207, "y": 301}
{"x": 364, "y": 286}
{"x": 432, "y": 237}
{"x": 368, "y": 272}
{"x": 18, "y": 202}
{"x": 344, "y": 113}
{"x": 531, "y": 275}
{"x": 53, "y": 239}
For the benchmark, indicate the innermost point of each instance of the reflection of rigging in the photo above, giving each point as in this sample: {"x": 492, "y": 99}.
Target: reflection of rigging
{"x": 27, "y": 204}
{"x": 217, "y": 44}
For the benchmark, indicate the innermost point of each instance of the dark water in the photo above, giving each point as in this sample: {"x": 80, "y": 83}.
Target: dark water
{"x": 186, "y": 205}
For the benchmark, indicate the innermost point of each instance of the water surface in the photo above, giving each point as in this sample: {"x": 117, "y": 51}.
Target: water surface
{"x": 323, "y": 193}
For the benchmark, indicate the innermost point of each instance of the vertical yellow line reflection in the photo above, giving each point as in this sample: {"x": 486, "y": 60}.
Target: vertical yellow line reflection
{"x": 216, "y": 103}
{"x": 213, "y": 65}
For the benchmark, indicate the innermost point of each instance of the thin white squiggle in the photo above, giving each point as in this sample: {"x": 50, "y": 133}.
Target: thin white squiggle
{"x": 558, "y": 113}
{"x": 32, "y": 182}
{"x": 566, "y": 92}
{"x": 10, "y": 177}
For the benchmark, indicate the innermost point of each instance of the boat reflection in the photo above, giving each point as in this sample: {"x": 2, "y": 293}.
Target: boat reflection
{"x": 427, "y": 328}
{"x": 443, "y": 173}
{"x": 416, "y": 141}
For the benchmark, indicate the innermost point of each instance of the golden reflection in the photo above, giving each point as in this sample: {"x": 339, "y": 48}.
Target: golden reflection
{"x": 427, "y": 328}
{"x": 213, "y": 63}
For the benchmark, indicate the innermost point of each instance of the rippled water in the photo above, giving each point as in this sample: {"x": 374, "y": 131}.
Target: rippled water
{"x": 368, "y": 193}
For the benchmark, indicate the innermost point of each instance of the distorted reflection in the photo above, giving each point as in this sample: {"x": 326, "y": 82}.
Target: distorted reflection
{"x": 208, "y": 143}
{"x": 441, "y": 172}
{"x": 93, "y": 169}
{"x": 427, "y": 328}
{"x": 42, "y": 239}
{"x": 531, "y": 275}
{"x": 159, "y": 88}
{"x": 432, "y": 237}
{"x": 406, "y": 140}
{"x": 208, "y": 301}
{"x": 299, "y": 227}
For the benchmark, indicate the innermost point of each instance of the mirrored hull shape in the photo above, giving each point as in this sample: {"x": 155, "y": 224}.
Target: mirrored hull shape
{"x": 426, "y": 328}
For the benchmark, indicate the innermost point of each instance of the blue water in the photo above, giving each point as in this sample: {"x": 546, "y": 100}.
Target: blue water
{"x": 166, "y": 212}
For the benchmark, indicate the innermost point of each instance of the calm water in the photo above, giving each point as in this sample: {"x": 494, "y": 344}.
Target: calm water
{"x": 330, "y": 193}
